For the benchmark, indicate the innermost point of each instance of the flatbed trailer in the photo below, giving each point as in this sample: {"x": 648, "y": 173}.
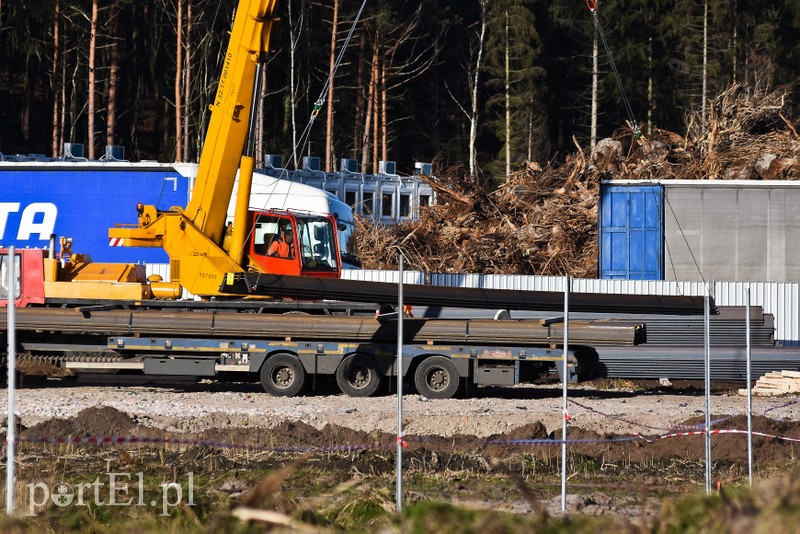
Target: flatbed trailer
{"x": 291, "y": 354}
{"x": 289, "y": 368}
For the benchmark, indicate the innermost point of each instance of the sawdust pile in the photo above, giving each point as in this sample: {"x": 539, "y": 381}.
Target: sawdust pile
{"x": 544, "y": 220}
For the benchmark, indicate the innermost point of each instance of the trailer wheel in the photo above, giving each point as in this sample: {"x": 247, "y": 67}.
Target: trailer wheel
{"x": 359, "y": 376}
{"x": 283, "y": 375}
{"x": 437, "y": 378}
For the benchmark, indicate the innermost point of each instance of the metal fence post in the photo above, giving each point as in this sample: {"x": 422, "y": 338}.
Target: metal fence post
{"x": 399, "y": 489}
{"x": 564, "y": 380}
{"x": 11, "y": 427}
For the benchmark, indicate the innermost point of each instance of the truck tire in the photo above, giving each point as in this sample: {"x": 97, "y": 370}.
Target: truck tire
{"x": 359, "y": 376}
{"x": 283, "y": 375}
{"x": 437, "y": 378}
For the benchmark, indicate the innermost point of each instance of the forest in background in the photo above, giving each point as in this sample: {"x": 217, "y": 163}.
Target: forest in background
{"x": 486, "y": 83}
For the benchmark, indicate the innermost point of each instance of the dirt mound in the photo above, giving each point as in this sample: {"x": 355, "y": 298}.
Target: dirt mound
{"x": 535, "y": 430}
{"x": 732, "y": 447}
{"x": 297, "y": 436}
{"x": 725, "y": 447}
{"x": 95, "y": 422}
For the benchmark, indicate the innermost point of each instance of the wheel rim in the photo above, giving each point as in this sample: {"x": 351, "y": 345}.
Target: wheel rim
{"x": 283, "y": 377}
{"x": 438, "y": 379}
{"x": 359, "y": 377}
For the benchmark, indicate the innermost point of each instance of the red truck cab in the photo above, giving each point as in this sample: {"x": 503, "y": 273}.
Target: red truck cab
{"x": 284, "y": 242}
{"x": 28, "y": 268}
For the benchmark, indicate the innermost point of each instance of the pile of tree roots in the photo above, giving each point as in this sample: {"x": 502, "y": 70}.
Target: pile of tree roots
{"x": 544, "y": 220}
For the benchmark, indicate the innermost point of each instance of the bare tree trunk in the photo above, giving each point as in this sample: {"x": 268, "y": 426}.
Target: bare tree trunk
{"x": 178, "y": 79}
{"x": 705, "y": 60}
{"x": 27, "y": 94}
{"x": 529, "y": 156}
{"x": 651, "y": 103}
{"x": 1, "y": 32}
{"x": 384, "y": 123}
{"x": 507, "y": 45}
{"x": 329, "y": 111}
{"x": 187, "y": 80}
{"x": 56, "y": 68}
{"x": 293, "y": 89}
{"x": 375, "y": 104}
{"x": 368, "y": 114}
{"x": 595, "y": 74}
{"x": 113, "y": 77}
{"x": 362, "y": 52}
{"x": 92, "y": 79}
{"x": 73, "y": 104}
{"x": 735, "y": 36}
{"x": 63, "y": 119}
{"x": 473, "y": 119}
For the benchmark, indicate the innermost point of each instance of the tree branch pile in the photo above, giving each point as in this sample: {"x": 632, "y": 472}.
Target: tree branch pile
{"x": 544, "y": 221}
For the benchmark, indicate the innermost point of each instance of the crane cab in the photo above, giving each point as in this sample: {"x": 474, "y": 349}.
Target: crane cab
{"x": 293, "y": 243}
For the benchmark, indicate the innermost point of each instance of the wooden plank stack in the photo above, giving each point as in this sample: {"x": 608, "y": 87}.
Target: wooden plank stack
{"x": 776, "y": 383}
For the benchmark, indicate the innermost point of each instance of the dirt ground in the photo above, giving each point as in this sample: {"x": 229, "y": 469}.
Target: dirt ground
{"x": 619, "y": 461}
{"x": 614, "y": 420}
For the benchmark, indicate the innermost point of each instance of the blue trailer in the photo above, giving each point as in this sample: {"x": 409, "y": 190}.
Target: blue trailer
{"x": 82, "y": 200}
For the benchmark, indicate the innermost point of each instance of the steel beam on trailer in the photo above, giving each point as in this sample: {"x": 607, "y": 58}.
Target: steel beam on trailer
{"x": 223, "y": 326}
{"x": 307, "y": 287}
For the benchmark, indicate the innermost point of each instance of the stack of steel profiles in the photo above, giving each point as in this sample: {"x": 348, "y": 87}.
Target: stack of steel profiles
{"x": 307, "y": 287}
{"x": 687, "y": 363}
{"x": 603, "y": 327}
{"x": 728, "y": 328}
{"x": 303, "y": 327}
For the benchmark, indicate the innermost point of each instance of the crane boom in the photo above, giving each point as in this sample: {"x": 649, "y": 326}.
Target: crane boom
{"x": 230, "y": 117}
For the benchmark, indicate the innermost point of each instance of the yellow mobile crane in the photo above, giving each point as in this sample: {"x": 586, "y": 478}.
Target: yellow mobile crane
{"x": 200, "y": 246}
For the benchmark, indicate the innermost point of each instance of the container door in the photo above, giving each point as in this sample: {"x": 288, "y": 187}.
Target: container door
{"x": 632, "y": 232}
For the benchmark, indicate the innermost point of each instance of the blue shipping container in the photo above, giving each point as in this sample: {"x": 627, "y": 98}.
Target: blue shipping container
{"x": 83, "y": 201}
{"x": 632, "y": 232}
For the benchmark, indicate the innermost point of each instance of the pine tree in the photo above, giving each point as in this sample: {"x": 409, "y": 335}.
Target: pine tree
{"x": 512, "y": 50}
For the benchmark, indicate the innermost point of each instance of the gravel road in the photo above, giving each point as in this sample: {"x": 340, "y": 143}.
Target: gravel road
{"x": 200, "y": 407}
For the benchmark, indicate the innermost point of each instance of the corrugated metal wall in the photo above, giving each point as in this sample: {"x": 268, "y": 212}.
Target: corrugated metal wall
{"x": 734, "y": 230}
{"x": 390, "y": 277}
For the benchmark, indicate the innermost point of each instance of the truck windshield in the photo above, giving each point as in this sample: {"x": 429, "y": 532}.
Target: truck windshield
{"x": 317, "y": 244}
{"x": 348, "y": 245}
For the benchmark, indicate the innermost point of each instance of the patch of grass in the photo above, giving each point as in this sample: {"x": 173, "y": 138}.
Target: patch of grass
{"x": 350, "y": 493}
{"x": 443, "y": 518}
